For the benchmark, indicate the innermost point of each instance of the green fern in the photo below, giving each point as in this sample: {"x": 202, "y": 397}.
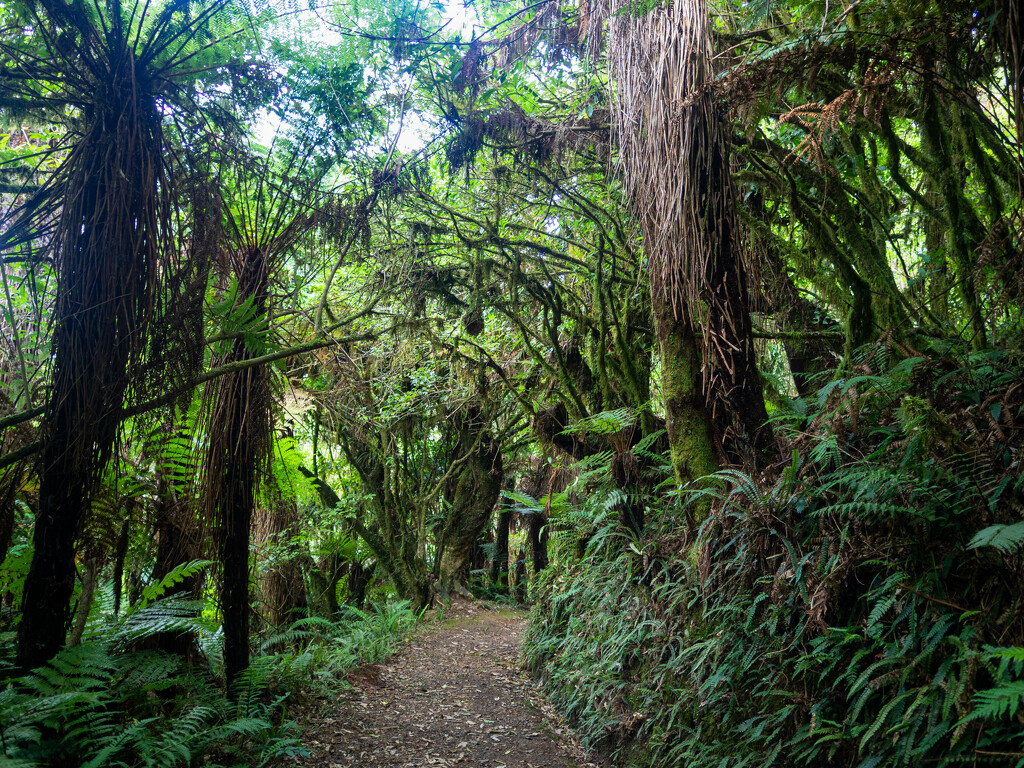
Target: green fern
{"x": 604, "y": 423}
{"x": 523, "y": 503}
{"x": 1003, "y": 701}
{"x": 178, "y": 574}
{"x": 1012, "y": 654}
{"x": 1007, "y": 539}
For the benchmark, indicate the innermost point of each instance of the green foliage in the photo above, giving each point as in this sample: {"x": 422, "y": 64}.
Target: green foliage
{"x": 108, "y": 702}
{"x": 176, "y": 575}
{"x": 605, "y": 423}
{"x": 998, "y": 703}
{"x": 844, "y": 613}
{"x": 1005, "y": 538}
{"x": 288, "y": 479}
{"x": 239, "y": 315}
{"x": 112, "y": 702}
{"x": 14, "y": 568}
{"x": 323, "y": 648}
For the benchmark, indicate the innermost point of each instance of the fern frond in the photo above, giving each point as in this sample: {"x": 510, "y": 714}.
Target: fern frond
{"x": 1005, "y": 538}
{"x": 177, "y": 613}
{"x": 647, "y": 441}
{"x": 525, "y": 503}
{"x": 1002, "y": 701}
{"x": 604, "y": 423}
{"x": 178, "y": 574}
{"x": 1013, "y": 654}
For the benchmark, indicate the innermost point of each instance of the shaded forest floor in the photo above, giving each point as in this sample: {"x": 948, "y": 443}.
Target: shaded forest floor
{"x": 455, "y": 696}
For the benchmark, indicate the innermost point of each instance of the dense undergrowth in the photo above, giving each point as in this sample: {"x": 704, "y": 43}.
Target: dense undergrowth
{"x": 857, "y": 606}
{"x": 118, "y": 700}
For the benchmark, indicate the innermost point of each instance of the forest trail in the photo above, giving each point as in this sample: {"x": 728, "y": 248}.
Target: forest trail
{"x": 454, "y": 697}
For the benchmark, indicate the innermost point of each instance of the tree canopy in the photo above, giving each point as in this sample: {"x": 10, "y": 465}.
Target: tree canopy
{"x": 696, "y": 325}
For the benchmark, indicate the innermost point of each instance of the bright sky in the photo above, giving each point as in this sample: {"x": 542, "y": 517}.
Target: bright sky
{"x": 415, "y": 133}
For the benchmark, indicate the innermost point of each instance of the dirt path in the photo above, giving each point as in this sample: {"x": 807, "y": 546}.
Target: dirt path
{"x": 454, "y": 697}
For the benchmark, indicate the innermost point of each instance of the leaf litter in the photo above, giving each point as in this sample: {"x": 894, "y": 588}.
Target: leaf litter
{"x": 454, "y": 697}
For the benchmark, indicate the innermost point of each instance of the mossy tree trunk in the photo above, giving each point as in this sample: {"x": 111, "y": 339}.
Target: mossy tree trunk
{"x": 471, "y": 495}
{"x": 398, "y": 560}
{"x": 689, "y": 428}
{"x": 676, "y": 169}
{"x": 499, "y": 558}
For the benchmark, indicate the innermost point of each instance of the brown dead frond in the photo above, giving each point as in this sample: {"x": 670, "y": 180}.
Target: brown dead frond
{"x": 820, "y": 121}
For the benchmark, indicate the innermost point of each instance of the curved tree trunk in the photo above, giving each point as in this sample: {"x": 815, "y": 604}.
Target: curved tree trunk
{"x": 409, "y": 576}
{"x": 472, "y": 494}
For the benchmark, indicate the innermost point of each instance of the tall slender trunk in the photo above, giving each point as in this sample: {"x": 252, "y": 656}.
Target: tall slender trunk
{"x": 106, "y": 244}
{"x": 120, "y": 553}
{"x": 499, "y": 559}
{"x": 90, "y": 574}
{"x": 240, "y": 430}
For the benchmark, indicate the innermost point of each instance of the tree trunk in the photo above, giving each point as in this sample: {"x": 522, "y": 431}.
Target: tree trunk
{"x": 499, "y": 560}
{"x": 408, "y": 574}
{"x": 241, "y": 429}
{"x": 112, "y": 226}
{"x": 676, "y": 170}
{"x": 519, "y": 576}
{"x": 689, "y": 429}
{"x": 472, "y": 493}
{"x": 89, "y": 577}
{"x": 731, "y": 380}
{"x": 333, "y": 569}
{"x": 538, "y": 534}
{"x": 120, "y": 552}
{"x": 282, "y": 592}
{"x": 46, "y": 597}
{"x": 359, "y": 578}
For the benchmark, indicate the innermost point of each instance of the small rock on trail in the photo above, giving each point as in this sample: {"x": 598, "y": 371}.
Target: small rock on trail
{"x": 454, "y": 697}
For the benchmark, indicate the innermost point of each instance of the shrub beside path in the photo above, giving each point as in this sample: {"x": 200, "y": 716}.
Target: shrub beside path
{"x": 455, "y": 696}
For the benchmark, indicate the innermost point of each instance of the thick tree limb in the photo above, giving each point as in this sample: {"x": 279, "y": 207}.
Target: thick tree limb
{"x": 171, "y": 396}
